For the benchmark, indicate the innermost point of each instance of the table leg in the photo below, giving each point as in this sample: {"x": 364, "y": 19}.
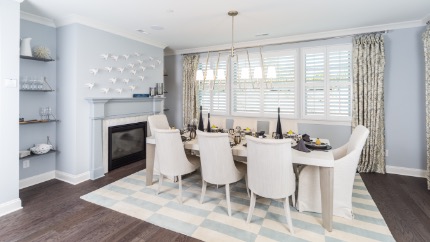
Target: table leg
{"x": 150, "y": 154}
{"x": 326, "y": 186}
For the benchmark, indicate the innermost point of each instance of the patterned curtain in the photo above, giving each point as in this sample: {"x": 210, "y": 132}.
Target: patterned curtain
{"x": 189, "y": 90}
{"x": 368, "y": 99}
{"x": 426, "y": 39}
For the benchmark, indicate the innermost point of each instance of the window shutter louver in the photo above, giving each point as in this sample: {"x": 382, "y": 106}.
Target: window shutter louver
{"x": 327, "y": 82}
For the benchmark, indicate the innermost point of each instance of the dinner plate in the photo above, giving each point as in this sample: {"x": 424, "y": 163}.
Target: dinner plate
{"x": 312, "y": 145}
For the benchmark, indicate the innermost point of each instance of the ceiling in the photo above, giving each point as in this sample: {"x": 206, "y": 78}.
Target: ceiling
{"x": 191, "y": 24}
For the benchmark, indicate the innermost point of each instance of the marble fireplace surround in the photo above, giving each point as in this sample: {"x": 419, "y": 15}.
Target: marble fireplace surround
{"x": 105, "y": 112}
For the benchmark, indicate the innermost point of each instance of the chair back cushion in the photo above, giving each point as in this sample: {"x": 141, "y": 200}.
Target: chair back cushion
{"x": 270, "y": 169}
{"x": 357, "y": 139}
{"x": 158, "y": 121}
{"x": 216, "y": 158}
{"x": 172, "y": 160}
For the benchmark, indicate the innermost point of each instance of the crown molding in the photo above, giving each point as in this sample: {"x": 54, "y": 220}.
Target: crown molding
{"x": 76, "y": 19}
{"x": 303, "y": 37}
{"x": 37, "y": 19}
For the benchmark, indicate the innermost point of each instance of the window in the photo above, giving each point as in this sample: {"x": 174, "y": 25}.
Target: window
{"x": 256, "y": 84}
{"x": 212, "y": 90}
{"x": 327, "y": 82}
{"x": 258, "y": 89}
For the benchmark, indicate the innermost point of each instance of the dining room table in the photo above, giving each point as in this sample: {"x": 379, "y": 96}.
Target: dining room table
{"x": 323, "y": 159}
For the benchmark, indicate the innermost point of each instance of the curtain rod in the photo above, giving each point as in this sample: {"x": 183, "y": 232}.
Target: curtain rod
{"x": 293, "y": 42}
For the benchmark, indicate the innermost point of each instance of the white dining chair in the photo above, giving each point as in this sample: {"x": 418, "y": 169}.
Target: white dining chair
{"x": 158, "y": 121}
{"x": 218, "y": 166}
{"x": 172, "y": 159}
{"x": 345, "y": 166}
{"x": 270, "y": 172}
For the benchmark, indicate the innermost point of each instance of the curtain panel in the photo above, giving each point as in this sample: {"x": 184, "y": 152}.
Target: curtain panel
{"x": 189, "y": 88}
{"x": 426, "y": 40}
{"x": 368, "y": 99}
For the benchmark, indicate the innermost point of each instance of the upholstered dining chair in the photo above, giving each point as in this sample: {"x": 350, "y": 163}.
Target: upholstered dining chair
{"x": 218, "y": 166}
{"x": 158, "y": 121}
{"x": 172, "y": 159}
{"x": 345, "y": 166}
{"x": 270, "y": 172}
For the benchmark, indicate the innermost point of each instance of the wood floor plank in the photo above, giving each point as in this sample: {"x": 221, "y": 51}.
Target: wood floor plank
{"x": 53, "y": 211}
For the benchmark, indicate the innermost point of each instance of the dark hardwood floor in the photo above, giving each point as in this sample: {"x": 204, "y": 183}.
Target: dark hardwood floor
{"x": 404, "y": 202}
{"x": 53, "y": 211}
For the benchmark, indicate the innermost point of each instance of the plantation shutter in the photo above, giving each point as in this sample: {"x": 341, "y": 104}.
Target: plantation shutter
{"x": 280, "y": 91}
{"x": 314, "y": 82}
{"x": 246, "y": 97}
{"x": 340, "y": 82}
{"x": 327, "y": 74}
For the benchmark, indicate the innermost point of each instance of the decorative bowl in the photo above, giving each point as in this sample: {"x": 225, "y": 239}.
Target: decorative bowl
{"x": 41, "y": 149}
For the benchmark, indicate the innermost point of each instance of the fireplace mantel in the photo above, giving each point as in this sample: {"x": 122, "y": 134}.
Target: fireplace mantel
{"x": 112, "y": 108}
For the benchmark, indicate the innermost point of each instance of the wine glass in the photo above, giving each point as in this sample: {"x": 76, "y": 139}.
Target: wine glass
{"x": 48, "y": 112}
{"x": 24, "y": 84}
{"x": 42, "y": 113}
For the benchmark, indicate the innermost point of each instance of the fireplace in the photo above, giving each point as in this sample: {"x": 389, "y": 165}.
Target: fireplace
{"x": 126, "y": 144}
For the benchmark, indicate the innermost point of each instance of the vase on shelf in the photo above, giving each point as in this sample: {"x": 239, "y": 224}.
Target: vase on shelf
{"x": 278, "y": 125}
{"x": 201, "y": 128}
{"x": 25, "y": 49}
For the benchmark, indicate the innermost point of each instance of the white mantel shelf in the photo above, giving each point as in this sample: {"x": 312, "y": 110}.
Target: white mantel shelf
{"x": 127, "y": 99}
{"x": 113, "y": 108}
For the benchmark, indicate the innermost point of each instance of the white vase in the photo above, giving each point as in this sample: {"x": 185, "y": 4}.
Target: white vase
{"x": 26, "y": 47}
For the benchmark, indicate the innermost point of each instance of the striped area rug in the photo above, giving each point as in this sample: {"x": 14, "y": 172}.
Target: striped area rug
{"x": 210, "y": 222}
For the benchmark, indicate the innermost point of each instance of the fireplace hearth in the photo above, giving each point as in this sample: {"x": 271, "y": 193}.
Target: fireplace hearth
{"x": 126, "y": 144}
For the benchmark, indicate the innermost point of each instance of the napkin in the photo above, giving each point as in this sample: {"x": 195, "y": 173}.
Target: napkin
{"x": 306, "y": 138}
{"x": 301, "y": 146}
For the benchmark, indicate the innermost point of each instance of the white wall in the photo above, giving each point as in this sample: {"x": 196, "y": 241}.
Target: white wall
{"x": 9, "y": 106}
{"x": 79, "y": 50}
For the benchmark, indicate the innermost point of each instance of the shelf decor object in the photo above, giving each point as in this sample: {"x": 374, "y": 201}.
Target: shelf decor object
{"x": 42, "y": 52}
{"x": 25, "y": 49}
{"x": 40, "y": 149}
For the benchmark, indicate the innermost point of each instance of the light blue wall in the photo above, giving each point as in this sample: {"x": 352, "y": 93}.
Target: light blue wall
{"x": 9, "y": 106}
{"x": 405, "y": 98}
{"x": 30, "y": 102}
{"x": 79, "y": 49}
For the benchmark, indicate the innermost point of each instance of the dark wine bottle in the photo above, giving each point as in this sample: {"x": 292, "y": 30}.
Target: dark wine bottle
{"x": 208, "y": 128}
{"x": 201, "y": 128}
{"x": 278, "y": 126}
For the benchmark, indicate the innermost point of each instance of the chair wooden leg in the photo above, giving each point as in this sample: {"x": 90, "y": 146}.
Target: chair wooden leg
{"x": 246, "y": 183}
{"x": 202, "y": 197}
{"x": 293, "y": 199}
{"x": 227, "y": 193}
{"x": 288, "y": 214}
{"x": 160, "y": 182}
{"x": 251, "y": 207}
{"x": 180, "y": 189}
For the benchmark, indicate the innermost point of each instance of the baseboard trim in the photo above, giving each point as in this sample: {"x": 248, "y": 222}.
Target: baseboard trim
{"x": 404, "y": 171}
{"x": 27, "y": 182}
{"x": 72, "y": 179}
{"x": 9, "y": 207}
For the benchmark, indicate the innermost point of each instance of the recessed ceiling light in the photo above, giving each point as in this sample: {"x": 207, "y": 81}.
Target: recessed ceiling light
{"x": 156, "y": 27}
{"x": 262, "y": 34}
{"x": 142, "y": 31}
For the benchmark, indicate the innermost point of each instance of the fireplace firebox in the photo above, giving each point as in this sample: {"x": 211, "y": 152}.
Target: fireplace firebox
{"x": 126, "y": 144}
